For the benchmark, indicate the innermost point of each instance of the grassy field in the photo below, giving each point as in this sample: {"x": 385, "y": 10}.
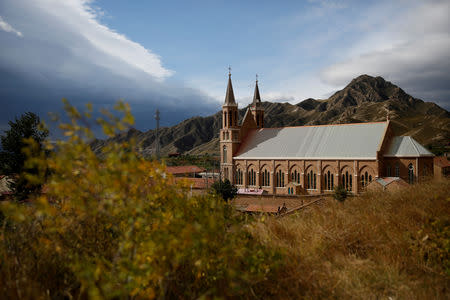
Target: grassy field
{"x": 376, "y": 246}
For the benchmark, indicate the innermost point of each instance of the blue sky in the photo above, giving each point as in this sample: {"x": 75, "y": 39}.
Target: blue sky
{"x": 173, "y": 55}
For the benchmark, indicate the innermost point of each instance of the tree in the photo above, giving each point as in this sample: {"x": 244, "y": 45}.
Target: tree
{"x": 22, "y": 132}
{"x": 224, "y": 189}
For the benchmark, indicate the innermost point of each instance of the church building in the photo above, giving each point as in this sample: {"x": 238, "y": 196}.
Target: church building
{"x": 313, "y": 159}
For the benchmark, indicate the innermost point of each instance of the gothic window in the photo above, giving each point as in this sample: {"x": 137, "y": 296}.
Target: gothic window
{"x": 311, "y": 180}
{"x": 388, "y": 171}
{"x": 238, "y": 177}
{"x": 225, "y": 119}
{"x": 411, "y": 173}
{"x": 365, "y": 179}
{"x": 347, "y": 181}
{"x": 231, "y": 119}
{"x": 329, "y": 181}
{"x": 224, "y": 154}
{"x": 280, "y": 178}
{"x": 265, "y": 178}
{"x": 251, "y": 177}
{"x": 397, "y": 171}
{"x": 295, "y": 176}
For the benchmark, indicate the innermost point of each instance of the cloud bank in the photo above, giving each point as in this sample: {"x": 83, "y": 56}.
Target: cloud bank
{"x": 65, "y": 51}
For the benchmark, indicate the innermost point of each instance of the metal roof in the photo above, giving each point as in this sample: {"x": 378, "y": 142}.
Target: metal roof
{"x": 360, "y": 140}
{"x": 406, "y": 146}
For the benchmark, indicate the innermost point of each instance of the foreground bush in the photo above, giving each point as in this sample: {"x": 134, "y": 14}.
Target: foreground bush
{"x": 116, "y": 227}
{"x": 376, "y": 246}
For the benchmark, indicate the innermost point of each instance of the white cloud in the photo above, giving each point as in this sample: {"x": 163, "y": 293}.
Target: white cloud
{"x": 8, "y": 28}
{"x": 67, "y": 52}
{"x": 411, "y": 49}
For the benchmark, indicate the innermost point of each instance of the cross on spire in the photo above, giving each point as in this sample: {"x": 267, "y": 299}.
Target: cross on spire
{"x": 256, "y": 77}
{"x": 229, "y": 70}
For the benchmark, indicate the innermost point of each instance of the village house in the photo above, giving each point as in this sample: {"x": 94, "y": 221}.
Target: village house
{"x": 315, "y": 158}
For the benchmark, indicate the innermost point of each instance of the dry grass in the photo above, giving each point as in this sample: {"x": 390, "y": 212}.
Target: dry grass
{"x": 376, "y": 246}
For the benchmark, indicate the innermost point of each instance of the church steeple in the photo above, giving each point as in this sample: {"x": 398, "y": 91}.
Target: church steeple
{"x": 230, "y": 133}
{"x": 256, "y": 107}
{"x": 256, "y": 96}
{"x": 229, "y": 98}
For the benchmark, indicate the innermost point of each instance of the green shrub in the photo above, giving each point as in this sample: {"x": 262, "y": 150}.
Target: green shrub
{"x": 340, "y": 193}
{"x": 224, "y": 189}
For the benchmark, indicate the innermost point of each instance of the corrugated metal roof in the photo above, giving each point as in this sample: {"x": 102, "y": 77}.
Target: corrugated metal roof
{"x": 184, "y": 169}
{"x": 360, "y": 140}
{"x": 406, "y": 146}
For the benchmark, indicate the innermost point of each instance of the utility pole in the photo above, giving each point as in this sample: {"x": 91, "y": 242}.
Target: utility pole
{"x": 157, "y": 134}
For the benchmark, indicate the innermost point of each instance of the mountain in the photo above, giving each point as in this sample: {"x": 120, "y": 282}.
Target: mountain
{"x": 364, "y": 99}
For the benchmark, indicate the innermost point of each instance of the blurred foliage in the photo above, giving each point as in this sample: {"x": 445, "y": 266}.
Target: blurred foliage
{"x": 116, "y": 226}
{"x": 205, "y": 161}
{"x": 24, "y": 139}
{"x": 224, "y": 189}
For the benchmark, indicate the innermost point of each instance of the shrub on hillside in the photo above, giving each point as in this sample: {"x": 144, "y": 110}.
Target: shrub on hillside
{"x": 340, "y": 193}
{"x": 116, "y": 227}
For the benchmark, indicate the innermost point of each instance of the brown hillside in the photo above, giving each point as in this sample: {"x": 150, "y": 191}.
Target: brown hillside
{"x": 364, "y": 99}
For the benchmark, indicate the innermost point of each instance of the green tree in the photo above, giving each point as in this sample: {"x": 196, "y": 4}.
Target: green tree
{"x": 225, "y": 189}
{"x": 12, "y": 157}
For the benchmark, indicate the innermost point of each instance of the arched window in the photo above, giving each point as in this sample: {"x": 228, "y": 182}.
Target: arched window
{"x": 295, "y": 176}
{"x": 224, "y": 152}
{"x": 329, "y": 181}
{"x": 251, "y": 177}
{"x": 238, "y": 177}
{"x": 347, "y": 181}
{"x": 231, "y": 119}
{"x": 388, "y": 171}
{"x": 225, "y": 119}
{"x": 397, "y": 171}
{"x": 279, "y": 178}
{"x": 225, "y": 173}
{"x": 265, "y": 178}
{"x": 411, "y": 173}
{"x": 311, "y": 180}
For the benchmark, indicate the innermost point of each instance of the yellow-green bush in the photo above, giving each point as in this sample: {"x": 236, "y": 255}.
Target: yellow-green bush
{"x": 116, "y": 227}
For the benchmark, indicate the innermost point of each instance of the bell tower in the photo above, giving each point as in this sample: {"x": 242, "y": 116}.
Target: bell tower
{"x": 256, "y": 107}
{"x": 230, "y": 132}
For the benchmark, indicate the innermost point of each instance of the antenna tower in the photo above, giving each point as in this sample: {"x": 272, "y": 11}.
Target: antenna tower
{"x": 157, "y": 133}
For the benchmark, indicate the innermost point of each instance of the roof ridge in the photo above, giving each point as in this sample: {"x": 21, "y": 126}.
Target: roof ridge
{"x": 324, "y": 125}
{"x": 414, "y": 145}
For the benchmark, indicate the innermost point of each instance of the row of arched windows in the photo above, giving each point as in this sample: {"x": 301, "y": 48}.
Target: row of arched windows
{"x": 311, "y": 178}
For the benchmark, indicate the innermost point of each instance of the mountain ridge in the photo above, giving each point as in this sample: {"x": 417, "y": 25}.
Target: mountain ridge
{"x": 364, "y": 99}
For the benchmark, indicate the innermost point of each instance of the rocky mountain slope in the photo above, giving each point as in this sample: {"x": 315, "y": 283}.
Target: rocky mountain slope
{"x": 364, "y": 99}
